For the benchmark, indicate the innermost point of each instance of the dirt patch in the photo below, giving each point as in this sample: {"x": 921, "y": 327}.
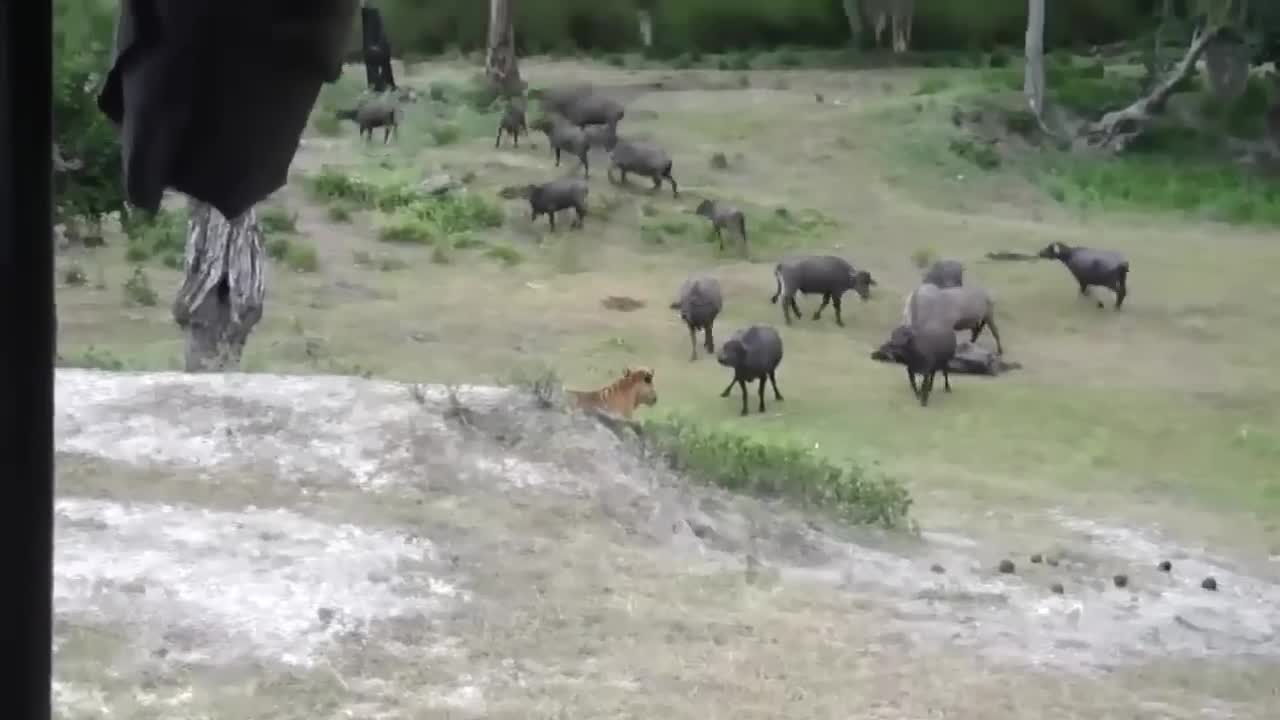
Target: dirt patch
{"x": 622, "y": 303}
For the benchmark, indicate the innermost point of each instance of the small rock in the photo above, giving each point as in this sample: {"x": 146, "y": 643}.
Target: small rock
{"x": 1057, "y": 589}
{"x": 441, "y": 184}
{"x": 817, "y": 96}
{"x": 1006, "y": 566}
{"x": 719, "y": 161}
{"x": 1052, "y": 561}
{"x": 1120, "y": 580}
{"x": 1037, "y": 558}
{"x": 325, "y": 615}
{"x": 1209, "y": 584}
{"x": 1165, "y": 566}
{"x": 700, "y": 530}
{"x": 938, "y": 568}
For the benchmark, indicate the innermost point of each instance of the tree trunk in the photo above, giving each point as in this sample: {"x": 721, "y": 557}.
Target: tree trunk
{"x": 903, "y": 12}
{"x": 1033, "y": 83}
{"x": 500, "y": 66}
{"x": 222, "y": 296}
{"x": 1116, "y": 130}
{"x": 853, "y": 15}
{"x": 1226, "y": 64}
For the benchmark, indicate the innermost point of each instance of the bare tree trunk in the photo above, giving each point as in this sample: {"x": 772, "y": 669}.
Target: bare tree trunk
{"x": 1116, "y": 130}
{"x": 853, "y": 15}
{"x": 1033, "y": 83}
{"x": 222, "y": 296}
{"x": 500, "y": 66}
{"x": 904, "y": 12}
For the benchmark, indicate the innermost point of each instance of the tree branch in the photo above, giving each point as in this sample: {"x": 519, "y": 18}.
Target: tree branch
{"x": 1117, "y": 129}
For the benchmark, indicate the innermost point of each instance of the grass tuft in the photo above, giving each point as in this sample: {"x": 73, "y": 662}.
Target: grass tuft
{"x": 739, "y": 463}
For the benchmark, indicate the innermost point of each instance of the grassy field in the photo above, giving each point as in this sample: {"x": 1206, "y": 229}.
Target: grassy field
{"x": 1167, "y": 411}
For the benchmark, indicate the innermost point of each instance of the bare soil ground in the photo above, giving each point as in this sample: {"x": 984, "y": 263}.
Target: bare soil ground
{"x": 1163, "y": 415}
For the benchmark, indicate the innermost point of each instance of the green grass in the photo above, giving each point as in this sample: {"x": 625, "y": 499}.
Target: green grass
{"x": 1112, "y": 413}
{"x": 1205, "y": 189}
{"x": 162, "y": 237}
{"x": 852, "y": 492}
{"x": 274, "y": 219}
{"x": 454, "y": 213}
{"x": 139, "y": 291}
{"x": 406, "y": 229}
{"x": 504, "y": 254}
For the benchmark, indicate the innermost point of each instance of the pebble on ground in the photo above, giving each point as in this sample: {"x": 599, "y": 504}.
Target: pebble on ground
{"x": 1037, "y": 558}
{"x": 1120, "y": 580}
{"x": 1006, "y": 566}
{"x": 1056, "y": 589}
{"x": 1209, "y": 583}
{"x": 938, "y": 568}
{"x": 1165, "y": 566}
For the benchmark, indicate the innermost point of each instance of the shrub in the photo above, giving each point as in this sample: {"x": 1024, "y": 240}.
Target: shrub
{"x": 93, "y": 359}
{"x": 406, "y": 229}
{"x": 453, "y": 213}
{"x": 301, "y": 257}
{"x": 325, "y": 122}
{"x": 161, "y": 235}
{"x": 138, "y": 290}
{"x": 736, "y": 462}
{"x": 74, "y": 275}
{"x": 274, "y": 219}
{"x": 339, "y": 212}
{"x": 459, "y": 213}
{"x": 82, "y": 39}
{"x": 506, "y": 254}
{"x": 933, "y": 85}
{"x": 979, "y": 153}
{"x": 923, "y": 257}
{"x": 1193, "y": 185}
{"x": 445, "y": 133}
{"x": 277, "y": 247}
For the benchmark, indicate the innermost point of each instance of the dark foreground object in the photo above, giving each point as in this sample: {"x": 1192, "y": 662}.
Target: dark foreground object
{"x": 218, "y": 120}
{"x": 26, "y": 362}
{"x": 970, "y": 358}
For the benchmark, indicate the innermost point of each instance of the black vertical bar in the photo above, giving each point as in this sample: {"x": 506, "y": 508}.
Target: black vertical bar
{"x": 27, "y": 349}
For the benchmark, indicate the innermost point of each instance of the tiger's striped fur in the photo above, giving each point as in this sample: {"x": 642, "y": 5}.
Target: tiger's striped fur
{"x": 623, "y": 396}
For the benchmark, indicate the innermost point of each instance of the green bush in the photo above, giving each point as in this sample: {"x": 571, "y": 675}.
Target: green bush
{"x": 979, "y": 153}
{"x": 138, "y": 289}
{"x": 1244, "y": 117}
{"x": 1200, "y": 186}
{"x": 301, "y": 257}
{"x": 407, "y": 229}
{"x": 739, "y": 463}
{"x": 82, "y": 39}
{"x": 94, "y": 359}
{"x": 275, "y": 219}
{"x": 339, "y": 212}
{"x": 693, "y": 26}
{"x": 445, "y": 133}
{"x": 162, "y": 235}
{"x": 277, "y": 247}
{"x": 933, "y": 85}
{"x": 505, "y": 254}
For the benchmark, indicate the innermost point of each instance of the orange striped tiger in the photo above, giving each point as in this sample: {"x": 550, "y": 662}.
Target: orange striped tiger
{"x": 623, "y": 396}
